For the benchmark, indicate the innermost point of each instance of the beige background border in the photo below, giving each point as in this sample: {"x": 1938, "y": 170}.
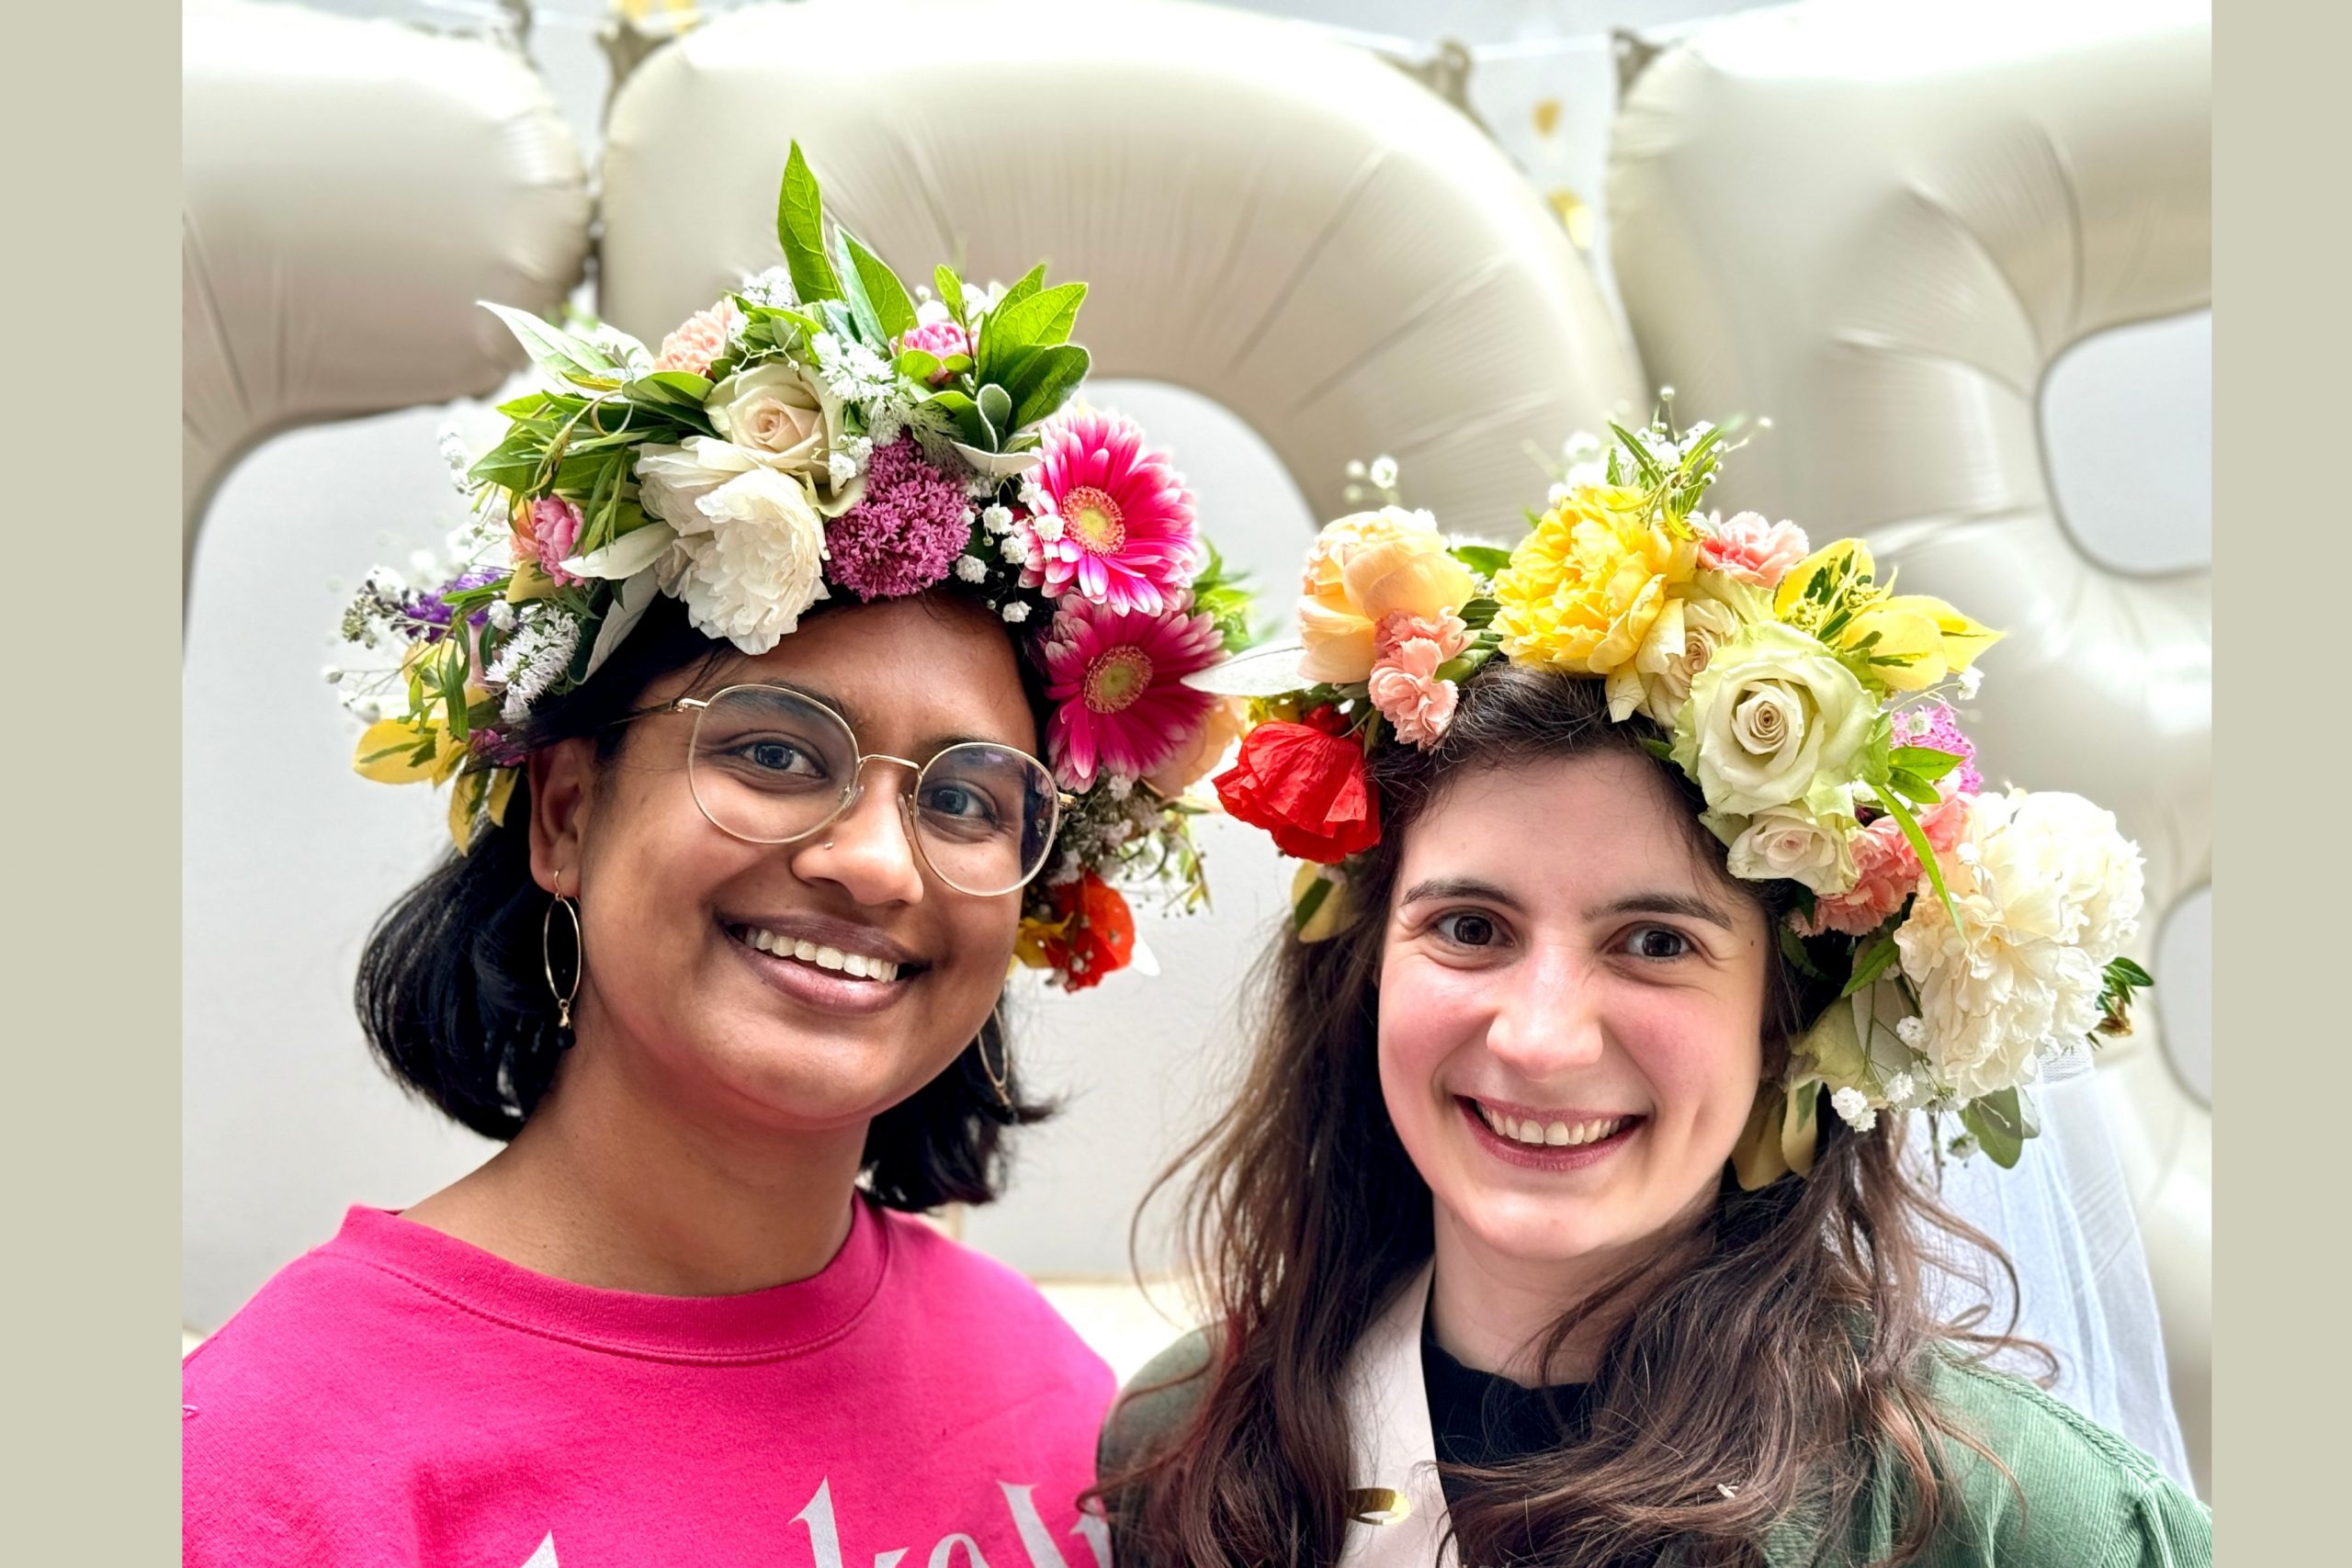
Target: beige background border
{"x": 90, "y": 121}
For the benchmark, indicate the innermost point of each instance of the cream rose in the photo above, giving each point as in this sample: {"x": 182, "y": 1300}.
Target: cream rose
{"x": 1788, "y": 843}
{"x": 1699, "y": 617}
{"x": 1774, "y": 720}
{"x": 755, "y": 565}
{"x": 783, "y": 419}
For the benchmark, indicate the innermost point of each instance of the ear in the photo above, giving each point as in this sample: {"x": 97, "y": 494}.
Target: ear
{"x": 562, "y": 777}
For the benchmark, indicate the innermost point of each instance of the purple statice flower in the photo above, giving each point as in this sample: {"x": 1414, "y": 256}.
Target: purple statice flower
{"x": 1934, "y": 723}
{"x": 905, "y": 532}
{"x": 431, "y": 610}
{"x": 496, "y": 748}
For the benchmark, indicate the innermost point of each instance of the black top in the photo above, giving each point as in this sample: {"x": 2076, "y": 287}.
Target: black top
{"x": 1479, "y": 1418}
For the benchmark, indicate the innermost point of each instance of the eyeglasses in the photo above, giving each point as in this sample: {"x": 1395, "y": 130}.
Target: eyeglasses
{"x": 771, "y": 766}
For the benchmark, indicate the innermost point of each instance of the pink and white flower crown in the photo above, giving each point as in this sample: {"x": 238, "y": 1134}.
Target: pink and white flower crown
{"x": 823, "y": 431}
{"x": 1953, "y": 941}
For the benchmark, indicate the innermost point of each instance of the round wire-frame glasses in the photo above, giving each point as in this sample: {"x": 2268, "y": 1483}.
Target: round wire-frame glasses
{"x": 771, "y": 766}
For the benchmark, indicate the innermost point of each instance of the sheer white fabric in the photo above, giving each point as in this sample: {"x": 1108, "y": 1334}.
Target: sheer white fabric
{"x": 2065, "y": 1218}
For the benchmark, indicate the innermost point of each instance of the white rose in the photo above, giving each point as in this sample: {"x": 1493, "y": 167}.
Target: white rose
{"x": 783, "y": 419}
{"x": 1772, "y": 720}
{"x": 1698, "y": 618}
{"x": 755, "y": 568}
{"x": 2048, "y": 877}
{"x": 1785, "y": 841}
{"x": 671, "y": 480}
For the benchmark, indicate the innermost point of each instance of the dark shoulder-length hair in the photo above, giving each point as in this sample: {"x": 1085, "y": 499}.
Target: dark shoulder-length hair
{"x": 1764, "y": 1370}
{"x": 453, "y": 993}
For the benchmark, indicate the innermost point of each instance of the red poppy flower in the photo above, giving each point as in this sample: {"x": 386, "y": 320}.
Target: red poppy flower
{"x": 1305, "y": 785}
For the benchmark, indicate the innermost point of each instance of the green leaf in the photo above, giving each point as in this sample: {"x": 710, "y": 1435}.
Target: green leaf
{"x": 1924, "y": 850}
{"x": 951, "y": 290}
{"x": 1922, "y": 762}
{"x": 800, "y": 229}
{"x": 861, "y": 307}
{"x": 996, "y": 408}
{"x": 1792, "y": 949}
{"x": 1311, "y": 900}
{"x": 1662, "y": 750}
{"x": 917, "y": 366}
{"x": 1651, "y": 473}
{"x": 891, "y": 304}
{"x": 956, "y": 364}
{"x": 1484, "y": 560}
{"x": 1911, "y": 787}
{"x": 965, "y": 413}
{"x": 2125, "y": 969}
{"x": 2002, "y": 1124}
{"x": 1049, "y": 380}
{"x": 1029, "y": 282}
{"x": 1870, "y": 961}
{"x": 553, "y": 347}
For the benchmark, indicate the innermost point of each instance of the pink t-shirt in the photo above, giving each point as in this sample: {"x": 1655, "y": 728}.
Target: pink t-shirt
{"x": 398, "y": 1396}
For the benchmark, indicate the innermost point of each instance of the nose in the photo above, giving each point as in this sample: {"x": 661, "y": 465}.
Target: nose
{"x": 1548, "y": 1019}
{"x": 868, "y": 850}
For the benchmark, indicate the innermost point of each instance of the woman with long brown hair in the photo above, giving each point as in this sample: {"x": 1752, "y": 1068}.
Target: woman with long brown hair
{"x": 1565, "y": 1215}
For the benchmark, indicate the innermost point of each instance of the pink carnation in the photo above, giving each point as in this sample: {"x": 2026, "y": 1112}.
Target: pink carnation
{"x": 1753, "y": 551}
{"x": 938, "y": 339}
{"x": 905, "y": 532}
{"x": 555, "y": 529}
{"x": 1934, "y": 725}
{"x": 702, "y": 339}
{"x": 1887, "y": 872}
{"x": 1398, "y": 628}
{"x": 1405, "y": 688}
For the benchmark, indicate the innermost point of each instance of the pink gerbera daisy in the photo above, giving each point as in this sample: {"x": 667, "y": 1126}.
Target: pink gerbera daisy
{"x": 1117, "y": 683}
{"x": 1121, "y": 531}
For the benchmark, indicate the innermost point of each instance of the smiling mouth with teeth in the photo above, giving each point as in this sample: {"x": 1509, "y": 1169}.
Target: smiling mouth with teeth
{"x": 1540, "y": 1134}
{"x": 858, "y": 965}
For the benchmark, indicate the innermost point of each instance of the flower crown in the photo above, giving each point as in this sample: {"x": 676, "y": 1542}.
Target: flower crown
{"x": 1969, "y": 937}
{"x": 822, "y": 432}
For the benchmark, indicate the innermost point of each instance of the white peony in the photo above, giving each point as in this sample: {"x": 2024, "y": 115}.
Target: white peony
{"x": 2048, "y": 890}
{"x": 1784, "y": 841}
{"x": 755, "y": 565}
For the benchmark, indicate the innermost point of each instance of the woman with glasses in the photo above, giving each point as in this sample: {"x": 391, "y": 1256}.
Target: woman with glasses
{"x": 829, "y": 664}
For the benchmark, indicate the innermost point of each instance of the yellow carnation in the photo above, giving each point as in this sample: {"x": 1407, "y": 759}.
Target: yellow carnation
{"x": 1582, "y": 590}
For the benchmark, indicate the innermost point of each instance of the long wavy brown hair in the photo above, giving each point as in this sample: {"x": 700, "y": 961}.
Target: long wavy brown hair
{"x": 1780, "y": 1355}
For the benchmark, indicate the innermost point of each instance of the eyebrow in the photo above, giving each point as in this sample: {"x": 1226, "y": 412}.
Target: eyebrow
{"x": 1631, "y": 904}
{"x": 930, "y": 746}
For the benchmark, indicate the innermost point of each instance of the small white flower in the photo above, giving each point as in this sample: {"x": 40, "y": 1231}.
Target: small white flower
{"x": 420, "y": 562}
{"x": 1017, "y": 612}
{"x": 1121, "y": 787}
{"x": 771, "y": 288}
{"x": 1899, "y": 1087}
{"x": 502, "y": 616}
{"x": 1853, "y": 1108}
{"x": 1048, "y": 526}
{"x": 1355, "y": 467}
{"x": 1035, "y": 498}
{"x": 996, "y": 519}
{"x": 1972, "y": 681}
{"x": 1013, "y": 548}
{"x": 840, "y": 467}
{"x": 1383, "y": 472}
{"x": 971, "y": 569}
{"x": 1912, "y": 1032}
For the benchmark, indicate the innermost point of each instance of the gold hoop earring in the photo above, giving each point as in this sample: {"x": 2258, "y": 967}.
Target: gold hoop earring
{"x": 547, "y": 953}
{"x": 1002, "y": 1081}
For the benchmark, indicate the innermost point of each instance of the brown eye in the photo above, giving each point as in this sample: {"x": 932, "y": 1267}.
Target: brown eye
{"x": 1657, "y": 942}
{"x": 1467, "y": 927}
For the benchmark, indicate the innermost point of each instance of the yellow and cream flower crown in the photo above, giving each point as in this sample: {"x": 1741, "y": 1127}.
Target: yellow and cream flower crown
{"x": 1954, "y": 940}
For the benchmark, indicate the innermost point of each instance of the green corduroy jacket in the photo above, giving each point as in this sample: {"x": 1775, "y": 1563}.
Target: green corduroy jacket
{"x": 2082, "y": 1498}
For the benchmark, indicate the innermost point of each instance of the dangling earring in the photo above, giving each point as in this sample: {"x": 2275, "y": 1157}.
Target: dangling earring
{"x": 998, "y": 1080}
{"x": 547, "y": 953}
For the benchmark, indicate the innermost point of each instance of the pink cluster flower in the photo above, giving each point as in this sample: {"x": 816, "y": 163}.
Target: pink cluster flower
{"x": 554, "y": 530}
{"x": 1749, "y": 548}
{"x": 939, "y": 339}
{"x": 1887, "y": 871}
{"x": 905, "y": 532}
{"x": 1116, "y": 681}
{"x": 1121, "y": 530}
{"x": 701, "y": 339}
{"x": 1934, "y": 723}
{"x": 1403, "y": 683}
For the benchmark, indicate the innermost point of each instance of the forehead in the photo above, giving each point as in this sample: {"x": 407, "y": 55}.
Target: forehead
{"x": 1595, "y": 824}
{"x": 905, "y": 673}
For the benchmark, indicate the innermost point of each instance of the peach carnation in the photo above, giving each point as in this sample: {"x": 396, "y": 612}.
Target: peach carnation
{"x": 702, "y": 338}
{"x": 1886, "y": 870}
{"x": 1753, "y": 551}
